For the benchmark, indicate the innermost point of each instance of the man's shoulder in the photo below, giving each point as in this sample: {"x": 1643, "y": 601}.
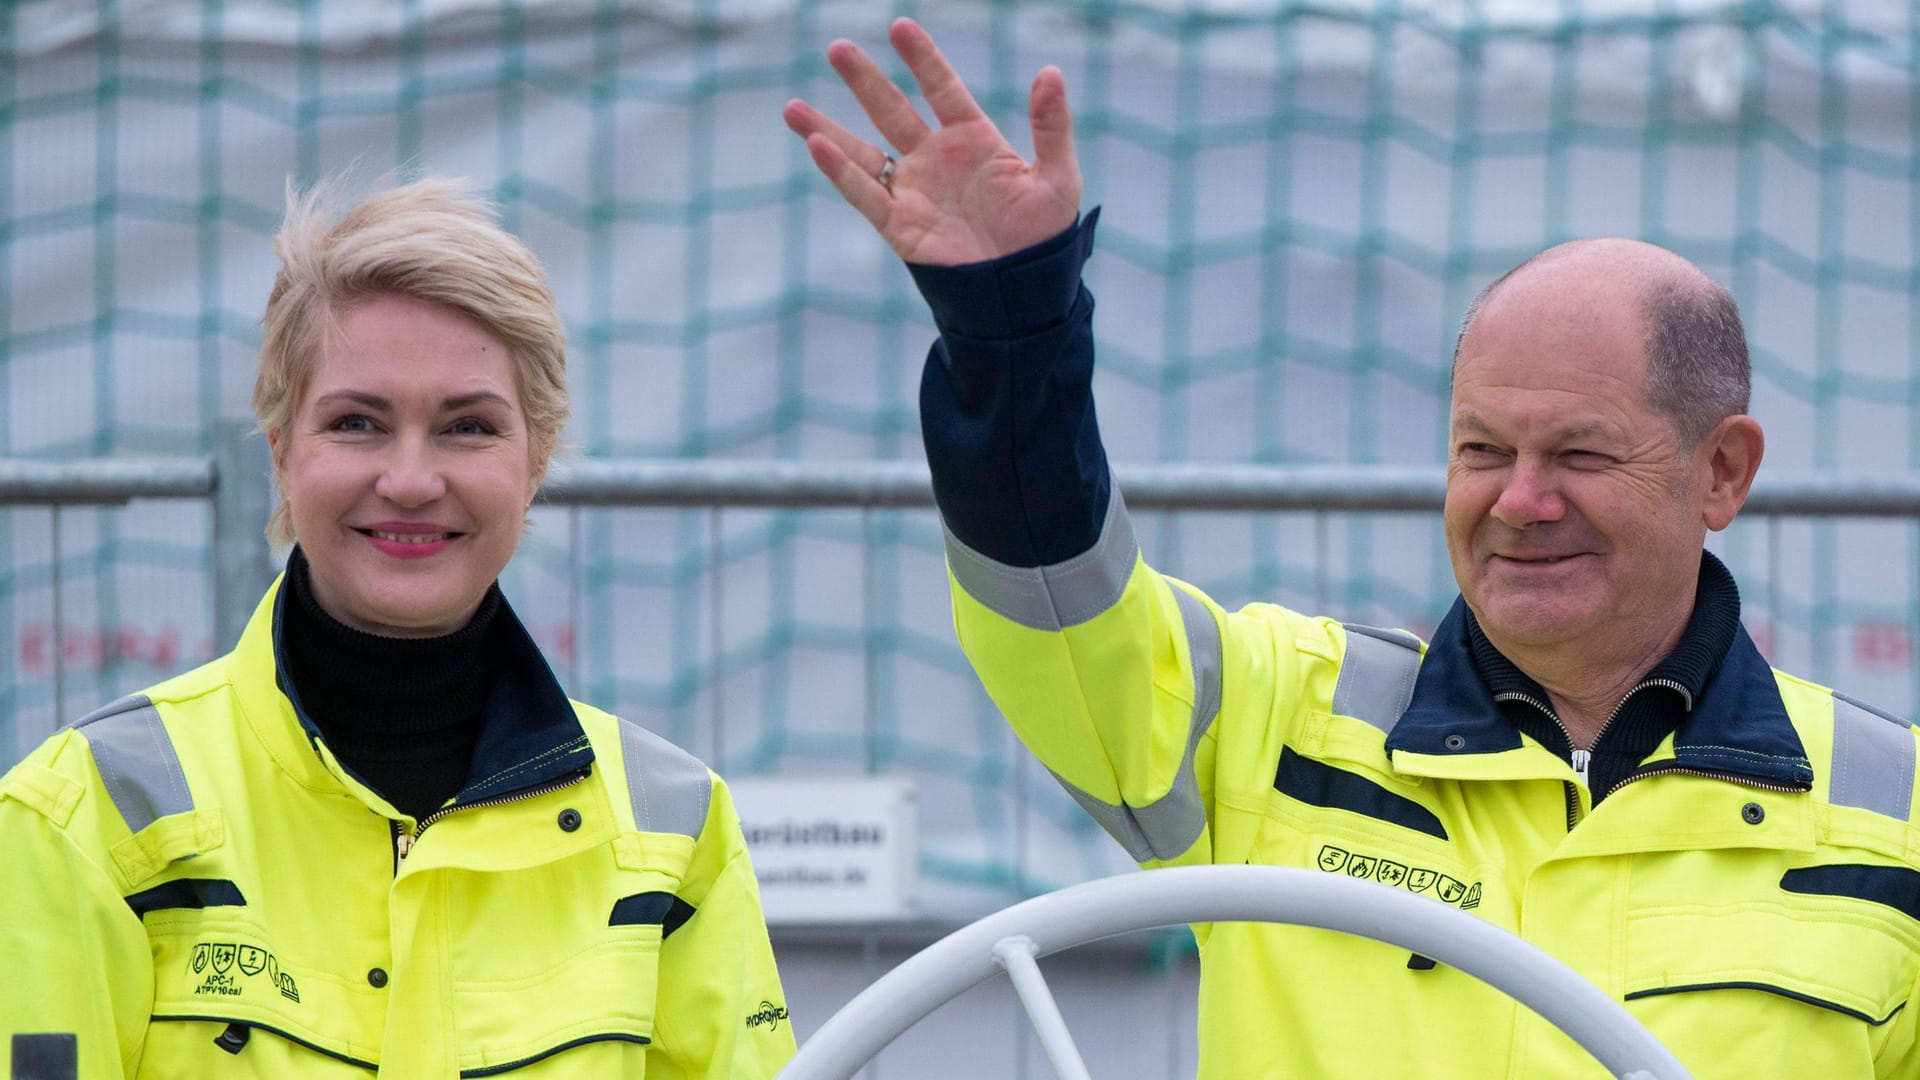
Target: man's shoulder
{"x": 1812, "y": 703}
{"x": 1865, "y": 760}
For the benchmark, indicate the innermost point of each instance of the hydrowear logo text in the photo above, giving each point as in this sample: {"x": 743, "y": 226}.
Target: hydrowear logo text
{"x": 769, "y": 1014}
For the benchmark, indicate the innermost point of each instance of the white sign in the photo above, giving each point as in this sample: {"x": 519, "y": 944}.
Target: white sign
{"x": 831, "y": 850}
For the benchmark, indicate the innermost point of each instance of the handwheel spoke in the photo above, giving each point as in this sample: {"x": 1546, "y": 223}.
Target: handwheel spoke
{"x": 1016, "y": 954}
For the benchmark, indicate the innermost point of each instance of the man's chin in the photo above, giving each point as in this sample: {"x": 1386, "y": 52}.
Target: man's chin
{"x": 1533, "y": 622}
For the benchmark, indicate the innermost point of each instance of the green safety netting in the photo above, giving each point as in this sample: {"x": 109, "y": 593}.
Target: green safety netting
{"x": 1300, "y": 199}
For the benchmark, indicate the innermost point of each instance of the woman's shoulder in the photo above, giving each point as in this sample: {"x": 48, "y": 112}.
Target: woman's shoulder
{"x": 134, "y": 718}
{"x": 603, "y": 728}
{"x": 669, "y": 789}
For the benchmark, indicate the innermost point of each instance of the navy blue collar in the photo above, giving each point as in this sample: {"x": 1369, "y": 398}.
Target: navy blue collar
{"x": 1738, "y": 725}
{"x": 529, "y": 734}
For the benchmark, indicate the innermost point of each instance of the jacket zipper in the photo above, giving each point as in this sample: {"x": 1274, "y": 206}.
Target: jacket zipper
{"x": 1709, "y": 774}
{"x": 403, "y": 840}
{"x": 1580, "y": 757}
{"x": 1582, "y": 760}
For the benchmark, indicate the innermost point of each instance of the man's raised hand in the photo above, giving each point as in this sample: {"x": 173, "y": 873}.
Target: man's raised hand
{"x": 959, "y": 193}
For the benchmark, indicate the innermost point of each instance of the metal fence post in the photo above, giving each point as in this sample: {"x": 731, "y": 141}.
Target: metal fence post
{"x": 242, "y": 500}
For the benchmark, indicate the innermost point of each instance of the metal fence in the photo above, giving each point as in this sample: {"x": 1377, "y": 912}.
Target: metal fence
{"x": 235, "y": 481}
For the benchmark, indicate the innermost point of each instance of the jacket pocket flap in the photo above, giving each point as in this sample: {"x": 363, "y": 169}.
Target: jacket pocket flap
{"x": 1857, "y": 962}
{"x": 604, "y": 993}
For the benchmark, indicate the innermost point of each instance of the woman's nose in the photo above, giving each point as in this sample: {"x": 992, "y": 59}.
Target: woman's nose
{"x": 410, "y": 476}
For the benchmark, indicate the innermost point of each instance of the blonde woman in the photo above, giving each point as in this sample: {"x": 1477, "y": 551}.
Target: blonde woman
{"x": 377, "y": 837}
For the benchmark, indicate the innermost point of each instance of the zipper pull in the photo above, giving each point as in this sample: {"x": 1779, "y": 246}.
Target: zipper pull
{"x": 234, "y": 1039}
{"x": 1581, "y": 759}
{"x": 402, "y": 842}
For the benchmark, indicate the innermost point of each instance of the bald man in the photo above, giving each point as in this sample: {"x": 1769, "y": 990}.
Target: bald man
{"x": 1590, "y": 752}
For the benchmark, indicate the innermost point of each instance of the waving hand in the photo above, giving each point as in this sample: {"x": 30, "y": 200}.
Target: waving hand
{"x": 958, "y": 192}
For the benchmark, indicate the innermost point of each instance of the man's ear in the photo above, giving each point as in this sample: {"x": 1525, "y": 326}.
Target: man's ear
{"x": 1730, "y": 456}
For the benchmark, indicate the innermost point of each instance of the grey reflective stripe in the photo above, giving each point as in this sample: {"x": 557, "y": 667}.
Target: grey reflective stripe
{"x": 1377, "y": 675}
{"x": 45, "y": 1057}
{"x": 1873, "y": 760}
{"x": 1052, "y": 597}
{"x": 670, "y": 788}
{"x": 136, "y": 761}
{"x": 1168, "y": 826}
{"x": 1203, "y": 655}
{"x": 1160, "y": 831}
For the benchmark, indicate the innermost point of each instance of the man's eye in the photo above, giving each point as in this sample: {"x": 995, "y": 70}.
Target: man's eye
{"x": 1586, "y": 459}
{"x": 1480, "y": 455}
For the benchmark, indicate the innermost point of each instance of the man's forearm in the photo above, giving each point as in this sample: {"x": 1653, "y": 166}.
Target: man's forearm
{"x": 1006, "y": 403}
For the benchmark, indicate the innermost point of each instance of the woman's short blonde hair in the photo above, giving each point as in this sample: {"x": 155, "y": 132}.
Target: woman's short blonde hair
{"x": 431, "y": 240}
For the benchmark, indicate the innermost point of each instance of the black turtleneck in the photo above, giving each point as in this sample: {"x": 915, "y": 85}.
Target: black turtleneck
{"x": 1652, "y": 710}
{"x": 401, "y": 713}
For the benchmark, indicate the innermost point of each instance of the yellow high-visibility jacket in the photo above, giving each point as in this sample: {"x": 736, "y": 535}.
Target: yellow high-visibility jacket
{"x": 1752, "y": 892}
{"x": 194, "y": 887}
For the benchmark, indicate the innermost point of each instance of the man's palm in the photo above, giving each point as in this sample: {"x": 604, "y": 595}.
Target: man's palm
{"x": 959, "y": 193}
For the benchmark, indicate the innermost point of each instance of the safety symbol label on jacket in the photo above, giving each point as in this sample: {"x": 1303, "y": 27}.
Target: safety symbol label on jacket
{"x": 227, "y": 969}
{"x": 1419, "y": 879}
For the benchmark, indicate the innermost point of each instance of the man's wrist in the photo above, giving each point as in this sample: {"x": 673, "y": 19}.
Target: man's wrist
{"x": 1014, "y": 295}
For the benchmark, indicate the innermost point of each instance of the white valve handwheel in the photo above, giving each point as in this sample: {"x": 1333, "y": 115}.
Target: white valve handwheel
{"x": 1013, "y": 938}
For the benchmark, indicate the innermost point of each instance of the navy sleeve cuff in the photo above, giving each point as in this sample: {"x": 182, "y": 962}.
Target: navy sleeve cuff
{"x": 1014, "y": 295}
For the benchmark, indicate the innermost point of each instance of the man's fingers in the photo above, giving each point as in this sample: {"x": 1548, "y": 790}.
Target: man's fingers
{"x": 883, "y": 102}
{"x": 1052, "y": 121}
{"x": 807, "y": 121}
{"x": 854, "y": 184}
{"x": 951, "y": 101}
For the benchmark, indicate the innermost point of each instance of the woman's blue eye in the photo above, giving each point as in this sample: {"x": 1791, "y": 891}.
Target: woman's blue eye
{"x": 353, "y": 423}
{"x": 470, "y": 427}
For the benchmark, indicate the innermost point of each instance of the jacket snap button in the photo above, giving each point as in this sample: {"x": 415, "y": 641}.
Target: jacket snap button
{"x": 1455, "y": 742}
{"x": 1753, "y": 813}
{"x": 377, "y": 978}
{"x": 569, "y": 819}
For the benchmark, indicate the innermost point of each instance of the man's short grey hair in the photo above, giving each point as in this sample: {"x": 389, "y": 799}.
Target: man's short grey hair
{"x": 1699, "y": 372}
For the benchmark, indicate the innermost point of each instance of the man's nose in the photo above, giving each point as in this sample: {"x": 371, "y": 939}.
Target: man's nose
{"x": 1530, "y": 496}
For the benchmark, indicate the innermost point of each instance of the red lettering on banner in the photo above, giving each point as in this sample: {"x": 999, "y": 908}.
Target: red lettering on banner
{"x": 560, "y": 642}
{"x": 166, "y": 648}
{"x": 84, "y": 648}
{"x": 129, "y": 641}
{"x": 1882, "y": 646}
{"x": 81, "y": 648}
{"x": 33, "y": 647}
